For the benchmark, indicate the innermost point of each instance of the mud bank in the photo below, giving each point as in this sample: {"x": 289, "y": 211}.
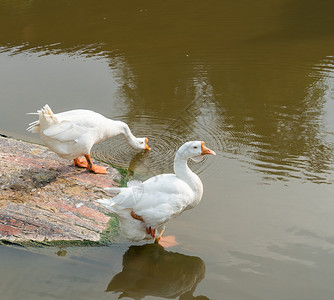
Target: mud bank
{"x": 45, "y": 200}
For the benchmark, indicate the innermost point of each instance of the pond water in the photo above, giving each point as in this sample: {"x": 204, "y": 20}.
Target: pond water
{"x": 253, "y": 79}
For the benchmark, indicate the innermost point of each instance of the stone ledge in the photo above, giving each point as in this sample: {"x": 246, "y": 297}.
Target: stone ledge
{"x": 45, "y": 200}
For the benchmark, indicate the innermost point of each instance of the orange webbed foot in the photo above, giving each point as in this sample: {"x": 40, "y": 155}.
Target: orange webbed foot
{"x": 98, "y": 169}
{"x": 94, "y": 168}
{"x": 81, "y": 162}
{"x": 166, "y": 241}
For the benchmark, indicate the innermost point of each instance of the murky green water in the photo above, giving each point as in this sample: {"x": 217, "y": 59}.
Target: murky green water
{"x": 254, "y": 80}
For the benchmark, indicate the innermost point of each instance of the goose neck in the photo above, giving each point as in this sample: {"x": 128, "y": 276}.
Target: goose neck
{"x": 126, "y": 132}
{"x": 182, "y": 170}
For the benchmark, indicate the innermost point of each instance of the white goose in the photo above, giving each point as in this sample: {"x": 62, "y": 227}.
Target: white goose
{"x": 72, "y": 134}
{"x": 143, "y": 208}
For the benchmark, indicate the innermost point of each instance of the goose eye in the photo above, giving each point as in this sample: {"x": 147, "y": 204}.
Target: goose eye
{"x": 195, "y": 147}
{"x": 142, "y": 142}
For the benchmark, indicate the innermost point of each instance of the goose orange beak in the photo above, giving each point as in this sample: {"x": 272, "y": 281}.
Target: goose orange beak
{"x": 206, "y": 150}
{"x": 146, "y": 146}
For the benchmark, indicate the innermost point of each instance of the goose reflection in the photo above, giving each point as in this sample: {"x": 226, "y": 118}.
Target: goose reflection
{"x": 150, "y": 270}
{"x": 139, "y": 162}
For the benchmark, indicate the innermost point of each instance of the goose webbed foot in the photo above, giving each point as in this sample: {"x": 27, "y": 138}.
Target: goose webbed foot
{"x": 94, "y": 168}
{"x": 98, "y": 169}
{"x": 81, "y": 162}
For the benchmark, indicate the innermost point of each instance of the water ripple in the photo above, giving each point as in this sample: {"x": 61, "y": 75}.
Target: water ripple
{"x": 165, "y": 137}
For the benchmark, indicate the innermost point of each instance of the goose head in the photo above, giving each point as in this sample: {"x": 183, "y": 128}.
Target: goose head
{"x": 194, "y": 150}
{"x": 134, "y": 142}
{"x": 141, "y": 144}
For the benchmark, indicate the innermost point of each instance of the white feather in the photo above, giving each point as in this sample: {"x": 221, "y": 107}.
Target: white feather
{"x": 73, "y": 133}
{"x": 160, "y": 198}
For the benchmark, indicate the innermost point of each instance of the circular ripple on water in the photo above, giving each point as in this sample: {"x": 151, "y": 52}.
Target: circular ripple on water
{"x": 165, "y": 137}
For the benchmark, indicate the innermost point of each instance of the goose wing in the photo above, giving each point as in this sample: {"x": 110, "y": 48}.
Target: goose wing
{"x": 163, "y": 197}
{"x": 66, "y": 131}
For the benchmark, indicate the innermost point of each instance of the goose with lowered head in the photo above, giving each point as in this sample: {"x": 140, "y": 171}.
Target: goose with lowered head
{"x": 143, "y": 208}
{"x": 72, "y": 134}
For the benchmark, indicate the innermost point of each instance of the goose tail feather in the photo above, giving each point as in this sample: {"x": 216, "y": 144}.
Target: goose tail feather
{"x": 45, "y": 116}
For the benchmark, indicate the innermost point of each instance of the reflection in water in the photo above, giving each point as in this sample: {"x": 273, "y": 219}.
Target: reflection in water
{"x": 151, "y": 270}
{"x": 200, "y": 120}
{"x": 253, "y": 79}
{"x": 258, "y": 79}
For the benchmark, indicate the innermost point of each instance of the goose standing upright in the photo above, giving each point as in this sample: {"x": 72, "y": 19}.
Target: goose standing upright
{"x": 143, "y": 208}
{"x": 72, "y": 134}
